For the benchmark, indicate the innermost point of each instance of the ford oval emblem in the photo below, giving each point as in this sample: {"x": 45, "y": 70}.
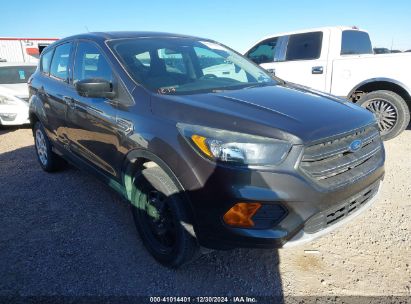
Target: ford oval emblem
{"x": 355, "y": 145}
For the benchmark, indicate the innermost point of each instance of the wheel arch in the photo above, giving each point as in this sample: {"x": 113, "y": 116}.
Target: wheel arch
{"x": 375, "y": 84}
{"x": 135, "y": 161}
{"x": 36, "y": 111}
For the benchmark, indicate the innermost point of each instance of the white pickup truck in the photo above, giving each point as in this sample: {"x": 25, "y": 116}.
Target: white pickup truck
{"x": 340, "y": 61}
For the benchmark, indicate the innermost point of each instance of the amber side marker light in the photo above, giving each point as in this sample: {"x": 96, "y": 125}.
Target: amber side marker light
{"x": 240, "y": 215}
{"x": 200, "y": 141}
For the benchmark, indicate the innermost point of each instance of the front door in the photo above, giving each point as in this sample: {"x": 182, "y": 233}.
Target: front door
{"x": 92, "y": 121}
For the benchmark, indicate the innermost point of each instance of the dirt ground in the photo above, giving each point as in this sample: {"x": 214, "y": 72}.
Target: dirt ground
{"x": 68, "y": 234}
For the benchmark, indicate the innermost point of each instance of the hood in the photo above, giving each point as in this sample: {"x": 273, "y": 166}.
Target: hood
{"x": 294, "y": 110}
{"x": 19, "y": 90}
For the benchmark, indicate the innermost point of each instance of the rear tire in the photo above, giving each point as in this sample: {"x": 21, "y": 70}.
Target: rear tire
{"x": 49, "y": 161}
{"x": 159, "y": 212}
{"x": 391, "y": 110}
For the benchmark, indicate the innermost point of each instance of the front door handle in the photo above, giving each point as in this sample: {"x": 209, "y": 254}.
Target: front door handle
{"x": 317, "y": 70}
{"x": 69, "y": 101}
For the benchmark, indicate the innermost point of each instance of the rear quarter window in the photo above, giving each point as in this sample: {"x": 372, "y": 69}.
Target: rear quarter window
{"x": 45, "y": 62}
{"x": 305, "y": 46}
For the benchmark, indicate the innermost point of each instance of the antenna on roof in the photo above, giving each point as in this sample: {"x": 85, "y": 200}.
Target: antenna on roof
{"x": 87, "y": 29}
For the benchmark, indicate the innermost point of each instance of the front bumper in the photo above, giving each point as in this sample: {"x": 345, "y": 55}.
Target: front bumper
{"x": 302, "y": 199}
{"x": 14, "y": 115}
{"x": 303, "y": 237}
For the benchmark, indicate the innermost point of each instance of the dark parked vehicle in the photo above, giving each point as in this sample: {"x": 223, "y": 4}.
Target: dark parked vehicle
{"x": 209, "y": 149}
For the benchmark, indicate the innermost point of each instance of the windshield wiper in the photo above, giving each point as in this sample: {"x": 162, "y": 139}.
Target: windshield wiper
{"x": 261, "y": 84}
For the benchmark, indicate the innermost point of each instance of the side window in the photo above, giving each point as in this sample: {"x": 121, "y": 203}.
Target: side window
{"x": 305, "y": 46}
{"x": 173, "y": 60}
{"x": 60, "y": 62}
{"x": 45, "y": 62}
{"x": 214, "y": 65}
{"x": 208, "y": 58}
{"x": 355, "y": 43}
{"x": 264, "y": 52}
{"x": 144, "y": 59}
{"x": 89, "y": 63}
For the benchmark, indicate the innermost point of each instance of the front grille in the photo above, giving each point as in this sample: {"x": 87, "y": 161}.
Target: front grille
{"x": 336, "y": 213}
{"x": 333, "y": 164}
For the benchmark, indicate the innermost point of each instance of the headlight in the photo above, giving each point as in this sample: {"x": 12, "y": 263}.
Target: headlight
{"x": 236, "y": 148}
{"x": 5, "y": 100}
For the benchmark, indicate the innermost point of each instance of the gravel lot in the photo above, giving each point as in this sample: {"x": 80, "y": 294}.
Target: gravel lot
{"x": 68, "y": 234}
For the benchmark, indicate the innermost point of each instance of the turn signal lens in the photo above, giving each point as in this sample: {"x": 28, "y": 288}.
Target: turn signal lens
{"x": 200, "y": 141}
{"x": 240, "y": 215}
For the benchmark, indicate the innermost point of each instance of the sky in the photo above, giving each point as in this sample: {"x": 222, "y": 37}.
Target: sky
{"x": 236, "y": 23}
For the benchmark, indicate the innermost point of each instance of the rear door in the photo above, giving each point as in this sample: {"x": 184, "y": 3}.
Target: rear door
{"x": 56, "y": 89}
{"x": 304, "y": 62}
{"x": 92, "y": 127}
{"x": 297, "y": 58}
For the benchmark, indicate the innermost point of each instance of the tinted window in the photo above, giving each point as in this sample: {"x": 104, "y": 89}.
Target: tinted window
{"x": 45, "y": 61}
{"x": 264, "y": 51}
{"x": 304, "y": 46}
{"x": 355, "y": 42}
{"x": 60, "y": 62}
{"x": 90, "y": 63}
{"x": 15, "y": 74}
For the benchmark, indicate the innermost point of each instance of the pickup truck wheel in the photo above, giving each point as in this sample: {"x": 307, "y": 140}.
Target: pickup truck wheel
{"x": 158, "y": 211}
{"x": 390, "y": 109}
{"x": 49, "y": 161}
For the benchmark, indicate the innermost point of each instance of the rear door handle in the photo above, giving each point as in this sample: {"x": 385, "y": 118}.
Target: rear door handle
{"x": 317, "y": 70}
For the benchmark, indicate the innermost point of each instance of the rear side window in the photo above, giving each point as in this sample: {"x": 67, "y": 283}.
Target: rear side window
{"x": 91, "y": 63}
{"x": 144, "y": 59}
{"x": 60, "y": 62}
{"x": 173, "y": 60}
{"x": 355, "y": 43}
{"x": 45, "y": 62}
{"x": 264, "y": 51}
{"x": 305, "y": 46}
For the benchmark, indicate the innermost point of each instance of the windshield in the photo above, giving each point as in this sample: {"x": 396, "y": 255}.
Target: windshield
{"x": 186, "y": 66}
{"x": 15, "y": 74}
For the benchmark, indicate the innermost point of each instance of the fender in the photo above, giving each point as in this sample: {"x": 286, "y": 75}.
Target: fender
{"x": 380, "y": 79}
{"x": 36, "y": 108}
{"x": 127, "y": 173}
{"x": 132, "y": 156}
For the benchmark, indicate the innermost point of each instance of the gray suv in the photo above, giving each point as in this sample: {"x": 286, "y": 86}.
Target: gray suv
{"x": 208, "y": 148}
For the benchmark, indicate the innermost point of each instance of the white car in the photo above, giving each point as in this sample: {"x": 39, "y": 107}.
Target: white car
{"x": 340, "y": 60}
{"x": 14, "y": 94}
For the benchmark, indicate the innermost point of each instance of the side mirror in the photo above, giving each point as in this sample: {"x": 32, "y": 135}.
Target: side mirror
{"x": 95, "y": 87}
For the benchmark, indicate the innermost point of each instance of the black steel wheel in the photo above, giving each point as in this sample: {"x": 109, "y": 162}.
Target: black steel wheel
{"x": 161, "y": 217}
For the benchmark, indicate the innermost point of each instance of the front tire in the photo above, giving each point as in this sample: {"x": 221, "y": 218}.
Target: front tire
{"x": 161, "y": 217}
{"x": 391, "y": 111}
{"x": 49, "y": 161}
